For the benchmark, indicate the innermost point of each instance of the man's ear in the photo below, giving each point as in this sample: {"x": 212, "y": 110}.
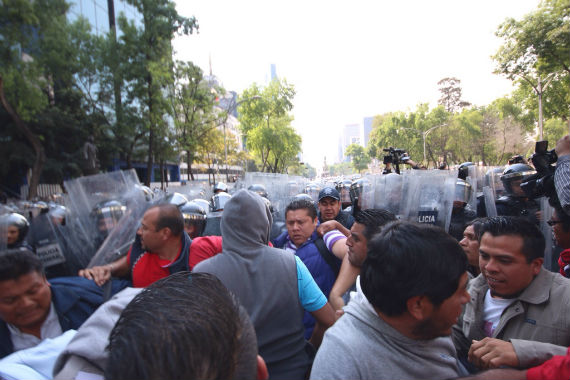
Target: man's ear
{"x": 536, "y": 265}
{"x": 419, "y": 307}
{"x": 262, "y": 373}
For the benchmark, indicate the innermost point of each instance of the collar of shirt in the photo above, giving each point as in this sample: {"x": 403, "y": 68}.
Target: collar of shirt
{"x": 50, "y": 329}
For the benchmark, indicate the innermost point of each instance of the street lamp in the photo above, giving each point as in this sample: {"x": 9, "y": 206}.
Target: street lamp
{"x": 424, "y": 136}
{"x": 229, "y": 111}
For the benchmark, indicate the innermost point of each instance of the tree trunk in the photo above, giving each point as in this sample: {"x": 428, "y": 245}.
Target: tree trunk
{"x": 32, "y": 139}
{"x": 149, "y": 163}
{"x": 189, "y": 175}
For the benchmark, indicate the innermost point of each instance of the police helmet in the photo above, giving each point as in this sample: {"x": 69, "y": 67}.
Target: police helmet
{"x": 176, "y": 199}
{"x": 112, "y": 208}
{"x": 313, "y": 189}
{"x": 219, "y": 187}
{"x": 204, "y": 203}
{"x": 464, "y": 170}
{"x": 194, "y": 214}
{"x": 462, "y": 191}
{"x": 14, "y": 219}
{"x": 343, "y": 187}
{"x": 259, "y": 189}
{"x": 358, "y": 187}
{"x": 219, "y": 201}
{"x": 515, "y": 175}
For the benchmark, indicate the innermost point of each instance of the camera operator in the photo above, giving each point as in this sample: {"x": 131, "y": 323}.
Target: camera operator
{"x": 562, "y": 173}
{"x": 396, "y": 157}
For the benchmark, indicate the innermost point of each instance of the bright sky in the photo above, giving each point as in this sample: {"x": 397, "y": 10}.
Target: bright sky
{"x": 351, "y": 59}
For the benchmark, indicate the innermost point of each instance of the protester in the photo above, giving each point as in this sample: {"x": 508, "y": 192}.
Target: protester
{"x": 161, "y": 248}
{"x": 268, "y": 281}
{"x": 301, "y": 239}
{"x": 412, "y": 288}
{"x": 517, "y": 314}
{"x": 470, "y": 245}
{"x": 31, "y": 309}
{"x": 366, "y": 224}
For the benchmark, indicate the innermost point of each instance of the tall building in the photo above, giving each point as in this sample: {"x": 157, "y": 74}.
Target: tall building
{"x": 97, "y": 12}
{"x": 366, "y": 129}
{"x": 357, "y": 133}
{"x": 350, "y": 135}
{"x": 273, "y": 72}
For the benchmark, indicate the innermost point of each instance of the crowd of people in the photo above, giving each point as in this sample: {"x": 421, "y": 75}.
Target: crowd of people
{"x": 409, "y": 276}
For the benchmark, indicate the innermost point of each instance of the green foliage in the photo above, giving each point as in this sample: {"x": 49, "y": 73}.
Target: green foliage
{"x": 266, "y": 123}
{"x": 537, "y": 48}
{"x": 358, "y": 157}
{"x": 340, "y": 169}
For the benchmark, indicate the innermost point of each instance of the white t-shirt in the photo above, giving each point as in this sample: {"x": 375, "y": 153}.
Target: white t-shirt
{"x": 50, "y": 329}
{"x": 492, "y": 311}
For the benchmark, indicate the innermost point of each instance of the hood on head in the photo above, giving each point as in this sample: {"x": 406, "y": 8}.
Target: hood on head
{"x": 246, "y": 221}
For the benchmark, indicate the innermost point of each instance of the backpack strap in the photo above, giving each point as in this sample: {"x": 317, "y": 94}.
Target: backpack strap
{"x": 327, "y": 255}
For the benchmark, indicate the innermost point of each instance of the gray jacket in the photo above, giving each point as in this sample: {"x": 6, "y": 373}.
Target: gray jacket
{"x": 360, "y": 345}
{"x": 537, "y": 323}
{"x": 264, "y": 279}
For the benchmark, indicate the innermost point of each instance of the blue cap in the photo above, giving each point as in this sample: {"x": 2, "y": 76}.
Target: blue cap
{"x": 329, "y": 192}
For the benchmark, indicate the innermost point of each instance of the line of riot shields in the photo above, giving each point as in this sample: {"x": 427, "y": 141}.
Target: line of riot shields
{"x": 96, "y": 220}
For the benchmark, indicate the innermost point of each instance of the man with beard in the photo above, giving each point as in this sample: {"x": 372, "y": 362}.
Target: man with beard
{"x": 411, "y": 291}
{"x": 518, "y": 312}
{"x": 367, "y": 223}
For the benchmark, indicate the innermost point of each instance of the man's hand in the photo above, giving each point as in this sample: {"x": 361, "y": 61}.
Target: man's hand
{"x": 325, "y": 227}
{"x": 100, "y": 274}
{"x": 492, "y": 353}
{"x": 563, "y": 146}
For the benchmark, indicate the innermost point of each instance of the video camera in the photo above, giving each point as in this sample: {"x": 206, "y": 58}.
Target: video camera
{"x": 395, "y": 157}
{"x": 542, "y": 183}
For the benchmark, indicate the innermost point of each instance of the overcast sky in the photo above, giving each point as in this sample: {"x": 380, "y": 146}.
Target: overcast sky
{"x": 348, "y": 60}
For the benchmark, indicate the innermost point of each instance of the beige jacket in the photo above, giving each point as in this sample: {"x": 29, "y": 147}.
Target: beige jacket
{"x": 537, "y": 323}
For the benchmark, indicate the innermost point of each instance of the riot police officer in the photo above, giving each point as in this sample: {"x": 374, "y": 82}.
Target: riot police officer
{"x": 16, "y": 228}
{"x": 462, "y": 214}
{"x": 194, "y": 218}
{"x": 515, "y": 202}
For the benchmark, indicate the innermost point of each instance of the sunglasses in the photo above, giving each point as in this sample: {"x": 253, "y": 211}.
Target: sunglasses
{"x": 551, "y": 223}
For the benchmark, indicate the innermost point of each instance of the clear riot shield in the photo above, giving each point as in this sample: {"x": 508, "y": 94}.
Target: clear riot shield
{"x": 489, "y": 197}
{"x": 546, "y": 212}
{"x": 96, "y": 204}
{"x": 388, "y": 193}
{"x": 429, "y": 197}
{"x": 46, "y": 243}
{"x": 366, "y": 199}
{"x": 123, "y": 234}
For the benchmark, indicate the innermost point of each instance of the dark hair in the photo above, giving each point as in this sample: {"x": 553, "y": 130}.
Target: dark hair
{"x": 406, "y": 260}
{"x": 533, "y": 240}
{"x": 298, "y": 204}
{"x": 373, "y": 220}
{"x": 476, "y": 223}
{"x": 185, "y": 326}
{"x": 564, "y": 218}
{"x": 169, "y": 216}
{"x": 18, "y": 262}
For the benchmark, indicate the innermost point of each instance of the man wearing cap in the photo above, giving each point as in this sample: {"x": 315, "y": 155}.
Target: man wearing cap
{"x": 329, "y": 208}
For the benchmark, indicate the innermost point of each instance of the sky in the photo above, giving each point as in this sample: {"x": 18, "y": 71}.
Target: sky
{"x": 350, "y": 60}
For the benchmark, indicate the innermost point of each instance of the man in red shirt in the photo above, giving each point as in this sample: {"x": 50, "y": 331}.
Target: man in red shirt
{"x": 160, "y": 249}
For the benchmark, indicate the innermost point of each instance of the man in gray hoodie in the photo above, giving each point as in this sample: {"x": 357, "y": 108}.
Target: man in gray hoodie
{"x": 273, "y": 285}
{"x": 410, "y": 292}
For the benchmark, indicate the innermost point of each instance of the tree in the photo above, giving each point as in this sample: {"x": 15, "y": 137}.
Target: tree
{"x": 40, "y": 66}
{"x": 148, "y": 51}
{"x": 193, "y": 104}
{"x": 358, "y": 157}
{"x": 265, "y": 121}
{"x": 450, "y": 99}
{"x": 536, "y": 51}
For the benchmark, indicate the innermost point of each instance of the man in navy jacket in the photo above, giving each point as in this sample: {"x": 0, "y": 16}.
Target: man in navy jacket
{"x": 33, "y": 309}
